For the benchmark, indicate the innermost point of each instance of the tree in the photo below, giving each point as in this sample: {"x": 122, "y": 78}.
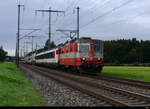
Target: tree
{"x": 132, "y": 56}
{"x": 3, "y": 54}
{"x": 52, "y": 45}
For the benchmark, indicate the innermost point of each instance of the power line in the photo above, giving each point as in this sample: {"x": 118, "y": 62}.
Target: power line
{"x": 133, "y": 17}
{"x": 66, "y": 10}
{"x": 71, "y": 22}
{"x": 107, "y": 13}
{"x": 93, "y": 7}
{"x": 33, "y": 30}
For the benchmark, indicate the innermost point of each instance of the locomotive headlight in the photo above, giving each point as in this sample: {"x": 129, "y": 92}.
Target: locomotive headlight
{"x": 99, "y": 59}
{"x": 83, "y": 59}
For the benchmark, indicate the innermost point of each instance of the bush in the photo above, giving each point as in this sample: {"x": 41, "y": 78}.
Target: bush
{"x": 146, "y": 64}
{"x": 116, "y": 63}
{"x": 3, "y": 54}
{"x": 136, "y": 64}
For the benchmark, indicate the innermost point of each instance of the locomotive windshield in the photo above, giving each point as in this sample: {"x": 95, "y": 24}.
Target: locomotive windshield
{"x": 84, "y": 47}
{"x": 96, "y": 47}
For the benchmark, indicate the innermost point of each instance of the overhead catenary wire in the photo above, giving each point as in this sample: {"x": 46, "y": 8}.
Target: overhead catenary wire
{"x": 129, "y": 19}
{"x": 68, "y": 11}
{"x": 71, "y": 15}
{"x": 108, "y": 12}
{"x": 96, "y": 5}
{"x": 93, "y": 6}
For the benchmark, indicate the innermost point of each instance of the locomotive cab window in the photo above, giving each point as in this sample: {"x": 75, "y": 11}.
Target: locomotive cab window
{"x": 84, "y": 47}
{"x": 96, "y": 47}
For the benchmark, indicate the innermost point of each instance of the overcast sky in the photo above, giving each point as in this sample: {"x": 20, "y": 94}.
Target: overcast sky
{"x": 99, "y": 19}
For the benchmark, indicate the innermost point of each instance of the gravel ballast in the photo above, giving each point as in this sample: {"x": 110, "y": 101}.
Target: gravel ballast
{"x": 56, "y": 94}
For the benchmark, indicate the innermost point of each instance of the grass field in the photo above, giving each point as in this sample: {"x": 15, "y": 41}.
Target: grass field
{"x": 15, "y": 89}
{"x": 137, "y": 73}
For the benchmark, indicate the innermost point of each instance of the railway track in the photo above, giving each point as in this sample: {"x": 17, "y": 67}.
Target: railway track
{"x": 110, "y": 95}
{"x": 125, "y": 81}
{"x": 135, "y": 83}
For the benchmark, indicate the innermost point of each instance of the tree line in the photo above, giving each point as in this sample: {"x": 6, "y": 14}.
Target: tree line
{"x": 127, "y": 51}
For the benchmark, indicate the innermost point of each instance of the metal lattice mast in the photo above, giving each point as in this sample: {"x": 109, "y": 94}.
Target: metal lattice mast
{"x": 50, "y": 11}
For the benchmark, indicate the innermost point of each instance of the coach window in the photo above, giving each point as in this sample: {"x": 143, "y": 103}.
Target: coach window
{"x": 53, "y": 54}
{"x": 47, "y": 55}
{"x": 42, "y": 57}
{"x": 57, "y": 51}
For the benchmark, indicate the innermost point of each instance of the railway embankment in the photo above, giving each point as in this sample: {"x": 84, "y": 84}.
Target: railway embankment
{"x": 63, "y": 89}
{"x": 15, "y": 88}
{"x": 58, "y": 94}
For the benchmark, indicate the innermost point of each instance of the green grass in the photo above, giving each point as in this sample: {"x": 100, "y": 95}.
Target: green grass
{"x": 15, "y": 88}
{"x": 136, "y": 73}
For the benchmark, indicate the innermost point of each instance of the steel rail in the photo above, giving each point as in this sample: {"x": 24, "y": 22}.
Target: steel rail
{"x": 125, "y": 81}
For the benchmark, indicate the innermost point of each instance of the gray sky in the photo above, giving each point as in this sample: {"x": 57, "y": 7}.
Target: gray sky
{"x": 100, "y": 19}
